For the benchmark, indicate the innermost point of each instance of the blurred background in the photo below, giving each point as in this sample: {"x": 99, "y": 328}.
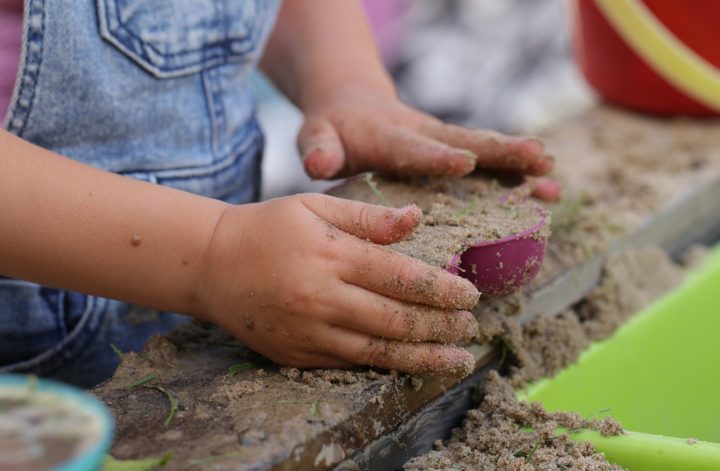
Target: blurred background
{"x": 500, "y": 64}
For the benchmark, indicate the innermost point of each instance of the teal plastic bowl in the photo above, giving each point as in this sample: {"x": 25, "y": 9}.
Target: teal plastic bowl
{"x": 91, "y": 455}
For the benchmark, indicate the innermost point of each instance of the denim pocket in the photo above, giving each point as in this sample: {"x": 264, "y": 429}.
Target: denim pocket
{"x": 42, "y": 328}
{"x": 171, "y": 38}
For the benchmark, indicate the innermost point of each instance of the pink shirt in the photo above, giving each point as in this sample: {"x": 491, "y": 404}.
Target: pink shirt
{"x": 11, "y": 19}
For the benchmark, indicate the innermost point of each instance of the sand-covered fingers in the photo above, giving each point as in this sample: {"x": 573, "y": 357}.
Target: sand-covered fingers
{"x": 402, "y": 151}
{"x": 406, "y": 279}
{"x": 409, "y": 357}
{"x": 381, "y": 316}
{"x": 494, "y": 150}
{"x": 375, "y": 223}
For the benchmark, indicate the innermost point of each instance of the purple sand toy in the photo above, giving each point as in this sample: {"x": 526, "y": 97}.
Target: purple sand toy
{"x": 500, "y": 267}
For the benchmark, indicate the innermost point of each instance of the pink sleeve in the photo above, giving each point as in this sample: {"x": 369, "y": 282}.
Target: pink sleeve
{"x": 10, "y": 46}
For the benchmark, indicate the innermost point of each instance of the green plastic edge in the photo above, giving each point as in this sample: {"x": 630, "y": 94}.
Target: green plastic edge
{"x": 643, "y": 451}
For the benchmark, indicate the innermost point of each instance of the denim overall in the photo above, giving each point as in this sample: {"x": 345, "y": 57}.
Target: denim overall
{"x": 153, "y": 89}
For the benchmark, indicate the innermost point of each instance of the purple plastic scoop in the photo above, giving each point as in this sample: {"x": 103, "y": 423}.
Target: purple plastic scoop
{"x": 502, "y": 266}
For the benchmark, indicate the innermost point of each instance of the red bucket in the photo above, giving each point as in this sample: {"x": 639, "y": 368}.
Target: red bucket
{"x": 620, "y": 72}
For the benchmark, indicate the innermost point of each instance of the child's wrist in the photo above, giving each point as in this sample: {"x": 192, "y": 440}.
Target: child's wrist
{"x": 197, "y": 300}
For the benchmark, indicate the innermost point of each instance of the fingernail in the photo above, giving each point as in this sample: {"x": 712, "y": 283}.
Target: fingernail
{"x": 312, "y": 150}
{"x": 471, "y": 325}
{"x": 411, "y": 209}
{"x": 554, "y": 187}
{"x": 528, "y": 145}
{"x": 456, "y": 167}
{"x": 468, "y": 155}
{"x": 468, "y": 295}
{"x": 546, "y": 189}
{"x": 539, "y": 147}
{"x": 536, "y": 140}
{"x": 312, "y": 168}
{"x": 544, "y": 164}
{"x": 462, "y": 363}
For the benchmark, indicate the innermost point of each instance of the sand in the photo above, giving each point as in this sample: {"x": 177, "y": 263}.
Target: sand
{"x": 457, "y": 213}
{"x": 492, "y": 436}
{"x": 631, "y": 281}
{"x": 260, "y": 408}
{"x": 616, "y": 168}
{"x": 611, "y": 183}
{"x": 249, "y": 418}
{"x": 252, "y": 419}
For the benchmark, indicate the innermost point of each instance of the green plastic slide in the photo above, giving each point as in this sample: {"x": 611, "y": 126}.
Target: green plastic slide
{"x": 659, "y": 376}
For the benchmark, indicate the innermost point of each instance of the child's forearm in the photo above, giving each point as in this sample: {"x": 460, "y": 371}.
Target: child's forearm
{"x": 69, "y": 225}
{"x": 320, "y": 45}
{"x": 325, "y": 297}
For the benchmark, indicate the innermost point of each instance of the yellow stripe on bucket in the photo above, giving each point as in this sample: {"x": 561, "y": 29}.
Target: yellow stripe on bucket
{"x": 669, "y": 56}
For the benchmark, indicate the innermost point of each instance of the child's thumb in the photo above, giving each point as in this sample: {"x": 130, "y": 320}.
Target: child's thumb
{"x": 321, "y": 148}
{"x": 378, "y": 224}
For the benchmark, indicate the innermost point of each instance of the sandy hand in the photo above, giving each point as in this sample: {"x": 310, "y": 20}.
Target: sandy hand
{"x": 354, "y": 130}
{"x": 303, "y": 281}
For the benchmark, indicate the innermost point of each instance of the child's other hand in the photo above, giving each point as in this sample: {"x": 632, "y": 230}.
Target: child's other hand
{"x": 353, "y": 130}
{"x": 303, "y": 281}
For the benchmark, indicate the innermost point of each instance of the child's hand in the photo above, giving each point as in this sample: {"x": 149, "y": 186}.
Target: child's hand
{"x": 323, "y": 57}
{"x": 302, "y": 281}
{"x": 355, "y": 129}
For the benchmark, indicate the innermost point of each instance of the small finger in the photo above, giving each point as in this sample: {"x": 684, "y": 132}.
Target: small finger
{"x": 401, "y": 151}
{"x": 398, "y": 276}
{"x": 546, "y": 189}
{"x": 380, "y": 316}
{"x": 378, "y": 224}
{"x": 321, "y": 148}
{"x": 415, "y": 358}
{"x": 495, "y": 150}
